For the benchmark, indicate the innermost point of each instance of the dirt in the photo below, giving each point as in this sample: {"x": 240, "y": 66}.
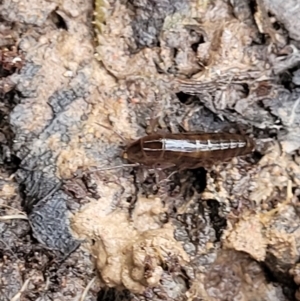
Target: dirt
{"x": 79, "y": 81}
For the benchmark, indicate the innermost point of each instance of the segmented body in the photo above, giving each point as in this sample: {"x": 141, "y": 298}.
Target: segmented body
{"x": 188, "y": 150}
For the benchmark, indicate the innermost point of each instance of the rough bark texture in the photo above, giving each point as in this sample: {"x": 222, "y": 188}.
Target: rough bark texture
{"x": 78, "y": 80}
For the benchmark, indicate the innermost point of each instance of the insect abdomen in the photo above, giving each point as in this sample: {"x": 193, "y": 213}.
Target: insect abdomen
{"x": 189, "y": 150}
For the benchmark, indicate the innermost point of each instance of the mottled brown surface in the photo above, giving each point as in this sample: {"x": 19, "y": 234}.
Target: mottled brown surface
{"x": 226, "y": 233}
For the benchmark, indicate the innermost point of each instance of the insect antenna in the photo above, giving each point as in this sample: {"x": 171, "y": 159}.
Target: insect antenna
{"x": 114, "y": 167}
{"x": 109, "y": 129}
{"x": 117, "y": 166}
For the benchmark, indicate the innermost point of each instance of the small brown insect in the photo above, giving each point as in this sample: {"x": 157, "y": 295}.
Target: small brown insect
{"x": 187, "y": 150}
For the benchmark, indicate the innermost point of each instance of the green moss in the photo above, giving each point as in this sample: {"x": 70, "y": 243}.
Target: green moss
{"x": 100, "y": 15}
